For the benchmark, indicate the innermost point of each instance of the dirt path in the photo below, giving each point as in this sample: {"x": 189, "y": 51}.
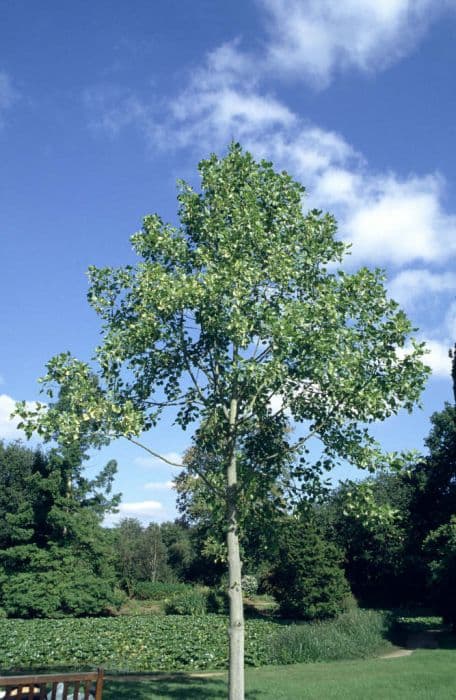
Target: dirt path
{"x": 397, "y": 653}
{"x": 426, "y": 639}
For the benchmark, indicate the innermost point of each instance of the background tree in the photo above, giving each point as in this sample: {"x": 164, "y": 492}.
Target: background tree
{"x": 127, "y": 539}
{"x": 241, "y": 303}
{"x": 55, "y": 558}
{"x": 374, "y": 545}
{"x": 182, "y": 550}
{"x": 155, "y": 560}
{"x": 440, "y": 549}
{"x": 307, "y": 578}
{"x": 141, "y": 554}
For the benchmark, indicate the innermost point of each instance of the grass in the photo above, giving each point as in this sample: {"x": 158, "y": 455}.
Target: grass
{"x": 142, "y": 607}
{"x": 425, "y": 675}
{"x": 357, "y": 634}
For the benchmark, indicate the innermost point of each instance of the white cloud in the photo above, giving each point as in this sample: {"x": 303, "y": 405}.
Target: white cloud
{"x": 389, "y": 219}
{"x": 414, "y": 284}
{"x": 438, "y": 358}
{"x": 159, "y": 485}
{"x": 315, "y": 39}
{"x": 144, "y": 511}
{"x": 8, "y": 425}
{"x": 143, "y": 508}
{"x": 113, "y": 109}
{"x": 400, "y": 220}
{"x": 175, "y": 457}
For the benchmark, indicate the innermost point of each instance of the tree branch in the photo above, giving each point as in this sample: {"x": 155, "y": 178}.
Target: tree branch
{"x": 208, "y": 483}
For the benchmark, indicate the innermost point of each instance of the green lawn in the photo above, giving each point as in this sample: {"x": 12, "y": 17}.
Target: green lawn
{"x": 426, "y": 675}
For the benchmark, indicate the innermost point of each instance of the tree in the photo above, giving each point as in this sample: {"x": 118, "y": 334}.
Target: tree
{"x": 179, "y": 542}
{"x": 440, "y": 549}
{"x": 307, "y": 579}
{"x": 433, "y": 502}
{"x": 370, "y": 522}
{"x": 433, "y": 479}
{"x": 140, "y": 554}
{"x": 55, "y": 558}
{"x": 240, "y": 304}
{"x": 127, "y": 537}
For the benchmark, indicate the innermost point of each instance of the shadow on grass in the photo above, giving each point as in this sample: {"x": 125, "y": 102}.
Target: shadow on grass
{"x": 421, "y": 632}
{"x": 178, "y": 687}
{"x": 446, "y": 639}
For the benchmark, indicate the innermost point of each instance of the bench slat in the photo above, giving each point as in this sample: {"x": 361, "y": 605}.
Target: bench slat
{"x": 27, "y": 686}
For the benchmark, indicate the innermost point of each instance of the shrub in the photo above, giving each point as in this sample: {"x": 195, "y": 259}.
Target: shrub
{"x": 188, "y": 602}
{"x": 307, "y": 580}
{"x": 156, "y": 590}
{"x": 217, "y": 601}
{"x": 76, "y": 592}
{"x": 249, "y": 585}
{"x": 353, "y": 635}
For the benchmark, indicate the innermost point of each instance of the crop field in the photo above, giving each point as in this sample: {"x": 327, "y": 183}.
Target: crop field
{"x": 134, "y": 643}
{"x": 150, "y": 643}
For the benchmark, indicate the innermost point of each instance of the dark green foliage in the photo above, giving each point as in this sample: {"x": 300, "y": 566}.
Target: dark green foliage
{"x": 432, "y": 506}
{"x": 434, "y": 479}
{"x": 218, "y": 601}
{"x": 376, "y": 562}
{"x": 64, "y": 586}
{"x": 192, "y": 601}
{"x": 354, "y": 635}
{"x": 185, "y": 557}
{"x": 307, "y": 579}
{"x": 55, "y": 558}
{"x": 149, "y": 590}
{"x": 440, "y": 548}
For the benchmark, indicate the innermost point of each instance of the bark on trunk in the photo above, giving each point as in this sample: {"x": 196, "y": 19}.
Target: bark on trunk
{"x": 236, "y": 628}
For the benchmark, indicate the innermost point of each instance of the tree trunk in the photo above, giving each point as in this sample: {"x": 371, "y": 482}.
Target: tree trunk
{"x": 236, "y": 628}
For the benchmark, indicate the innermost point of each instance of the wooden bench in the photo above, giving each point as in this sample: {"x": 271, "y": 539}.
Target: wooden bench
{"x": 36, "y": 687}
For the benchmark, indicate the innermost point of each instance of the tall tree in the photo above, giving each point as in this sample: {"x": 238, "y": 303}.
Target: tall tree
{"x": 370, "y": 522}
{"x": 240, "y": 304}
{"x": 140, "y": 554}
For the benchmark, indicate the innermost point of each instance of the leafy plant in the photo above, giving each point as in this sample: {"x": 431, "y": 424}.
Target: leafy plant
{"x": 249, "y": 585}
{"x": 189, "y": 602}
{"x": 139, "y": 643}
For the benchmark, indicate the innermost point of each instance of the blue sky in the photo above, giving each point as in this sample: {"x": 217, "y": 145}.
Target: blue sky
{"x": 104, "y": 105}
